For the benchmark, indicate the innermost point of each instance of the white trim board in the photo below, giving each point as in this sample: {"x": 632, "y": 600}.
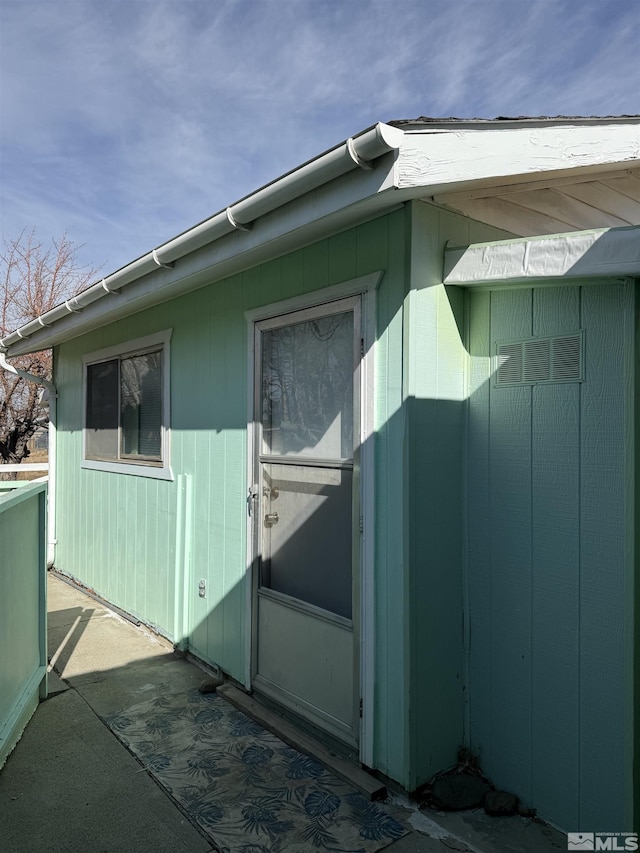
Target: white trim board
{"x": 602, "y": 253}
{"x": 362, "y": 284}
{"x": 24, "y": 466}
{"x": 503, "y": 154}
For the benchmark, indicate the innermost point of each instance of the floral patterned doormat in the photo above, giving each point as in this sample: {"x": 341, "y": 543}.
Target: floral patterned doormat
{"x": 246, "y": 788}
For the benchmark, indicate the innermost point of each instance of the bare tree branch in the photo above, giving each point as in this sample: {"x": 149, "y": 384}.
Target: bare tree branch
{"x": 33, "y": 279}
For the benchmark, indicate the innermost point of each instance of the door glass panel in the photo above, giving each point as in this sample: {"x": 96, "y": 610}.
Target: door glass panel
{"x": 306, "y": 534}
{"x": 307, "y": 389}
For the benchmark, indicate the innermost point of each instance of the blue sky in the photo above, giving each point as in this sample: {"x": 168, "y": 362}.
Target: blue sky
{"x": 124, "y": 122}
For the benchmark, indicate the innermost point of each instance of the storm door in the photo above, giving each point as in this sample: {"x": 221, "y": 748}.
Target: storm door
{"x": 305, "y": 506}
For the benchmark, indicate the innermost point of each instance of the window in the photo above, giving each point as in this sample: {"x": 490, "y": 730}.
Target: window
{"x": 127, "y": 408}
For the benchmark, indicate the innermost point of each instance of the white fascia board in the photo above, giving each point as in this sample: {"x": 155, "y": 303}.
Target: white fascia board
{"x": 455, "y": 160}
{"x": 354, "y": 198}
{"x": 603, "y": 253}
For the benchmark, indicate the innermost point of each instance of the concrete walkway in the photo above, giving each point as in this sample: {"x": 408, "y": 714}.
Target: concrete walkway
{"x": 71, "y": 785}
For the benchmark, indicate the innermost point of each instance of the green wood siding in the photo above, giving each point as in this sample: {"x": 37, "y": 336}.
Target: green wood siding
{"x": 503, "y": 541}
{"x": 23, "y": 610}
{"x": 547, "y": 563}
{"x": 435, "y": 389}
{"x": 127, "y": 537}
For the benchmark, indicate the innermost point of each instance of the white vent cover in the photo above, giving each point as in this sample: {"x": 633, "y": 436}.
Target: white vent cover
{"x": 535, "y": 360}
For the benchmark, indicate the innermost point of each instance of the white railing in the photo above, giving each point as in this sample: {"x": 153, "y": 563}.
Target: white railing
{"x": 6, "y": 485}
{"x": 25, "y": 466}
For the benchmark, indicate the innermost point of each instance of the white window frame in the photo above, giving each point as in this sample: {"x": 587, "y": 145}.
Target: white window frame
{"x": 157, "y": 471}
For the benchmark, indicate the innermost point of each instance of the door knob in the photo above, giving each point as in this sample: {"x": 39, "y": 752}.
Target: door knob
{"x": 270, "y": 519}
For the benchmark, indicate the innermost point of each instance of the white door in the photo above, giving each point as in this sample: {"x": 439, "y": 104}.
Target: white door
{"x": 306, "y": 511}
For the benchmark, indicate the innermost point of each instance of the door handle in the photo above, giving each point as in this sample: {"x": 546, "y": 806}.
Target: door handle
{"x": 251, "y": 497}
{"x": 270, "y": 519}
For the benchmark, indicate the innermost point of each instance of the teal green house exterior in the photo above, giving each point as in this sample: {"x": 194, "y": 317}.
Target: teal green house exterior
{"x": 485, "y": 276}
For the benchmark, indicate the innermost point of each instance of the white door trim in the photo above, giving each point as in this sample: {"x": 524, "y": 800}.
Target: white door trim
{"x": 354, "y": 286}
{"x": 366, "y": 286}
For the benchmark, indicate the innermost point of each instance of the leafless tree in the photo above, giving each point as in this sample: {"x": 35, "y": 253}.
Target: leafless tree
{"x": 33, "y": 279}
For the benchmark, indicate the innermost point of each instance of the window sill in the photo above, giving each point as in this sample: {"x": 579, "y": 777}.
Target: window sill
{"x": 154, "y": 472}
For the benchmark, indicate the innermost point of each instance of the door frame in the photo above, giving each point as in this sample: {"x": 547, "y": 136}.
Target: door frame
{"x": 364, "y": 643}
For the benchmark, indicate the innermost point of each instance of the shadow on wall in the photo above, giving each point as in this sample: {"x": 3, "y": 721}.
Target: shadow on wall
{"x": 421, "y": 607}
{"x": 547, "y": 497}
{"x": 540, "y": 474}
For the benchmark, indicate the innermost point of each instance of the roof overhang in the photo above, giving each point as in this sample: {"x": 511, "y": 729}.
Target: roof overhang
{"x": 601, "y": 254}
{"x": 346, "y": 185}
{"x": 497, "y": 155}
{"x": 365, "y": 176}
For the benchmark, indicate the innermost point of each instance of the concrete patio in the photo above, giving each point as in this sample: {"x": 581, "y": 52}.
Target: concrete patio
{"x": 71, "y": 784}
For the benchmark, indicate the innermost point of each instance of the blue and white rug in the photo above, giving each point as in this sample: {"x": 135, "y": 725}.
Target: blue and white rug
{"x": 246, "y": 788}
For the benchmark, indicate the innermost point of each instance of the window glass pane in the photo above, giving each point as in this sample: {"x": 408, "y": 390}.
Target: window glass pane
{"x": 141, "y": 406}
{"x": 307, "y": 389}
{"x": 307, "y": 534}
{"x": 102, "y": 410}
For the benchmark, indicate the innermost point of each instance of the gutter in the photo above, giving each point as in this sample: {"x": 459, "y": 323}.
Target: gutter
{"x": 356, "y": 152}
{"x": 51, "y": 491}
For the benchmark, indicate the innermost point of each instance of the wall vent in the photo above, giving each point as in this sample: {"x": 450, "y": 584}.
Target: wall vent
{"x": 536, "y": 360}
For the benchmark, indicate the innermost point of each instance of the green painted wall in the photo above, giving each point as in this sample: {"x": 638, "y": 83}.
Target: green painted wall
{"x": 550, "y": 558}
{"x": 633, "y": 597}
{"x": 504, "y": 518}
{"x": 126, "y": 536}
{"x": 435, "y": 390}
{"x": 23, "y": 673}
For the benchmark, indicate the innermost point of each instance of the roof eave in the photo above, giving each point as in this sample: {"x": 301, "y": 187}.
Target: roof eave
{"x": 361, "y": 178}
{"x": 339, "y": 204}
{"x": 297, "y": 207}
{"x": 425, "y": 123}
{"x": 504, "y": 154}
